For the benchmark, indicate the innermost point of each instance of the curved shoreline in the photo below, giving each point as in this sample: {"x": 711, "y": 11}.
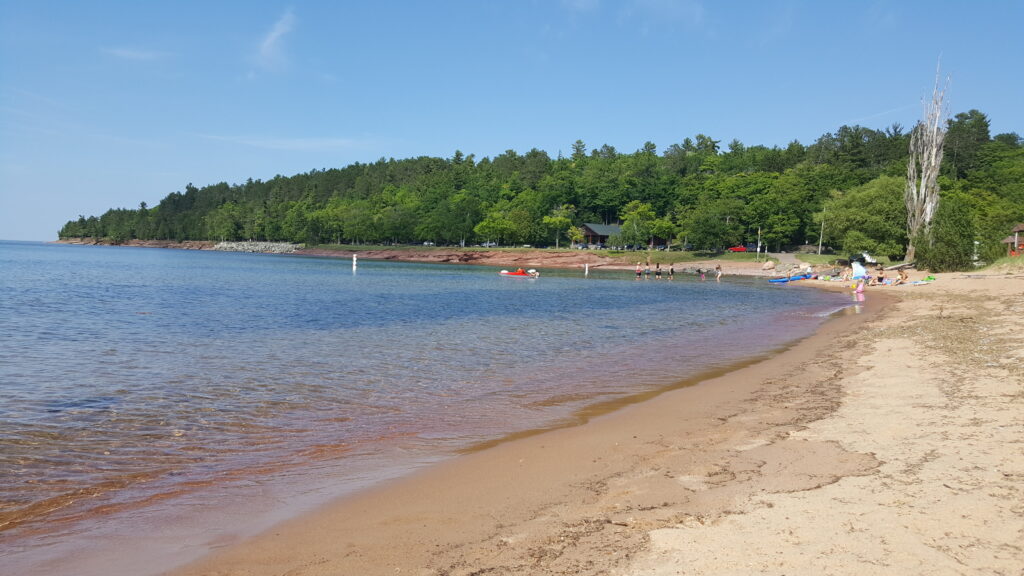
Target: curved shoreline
{"x": 889, "y": 439}
{"x": 535, "y": 500}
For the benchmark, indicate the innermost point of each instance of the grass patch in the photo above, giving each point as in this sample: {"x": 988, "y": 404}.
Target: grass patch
{"x": 668, "y": 257}
{"x": 830, "y": 259}
{"x": 1007, "y": 265}
{"x": 818, "y": 259}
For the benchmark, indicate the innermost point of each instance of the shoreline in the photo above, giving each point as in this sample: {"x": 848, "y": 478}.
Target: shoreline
{"x": 181, "y": 544}
{"x": 94, "y": 558}
{"x": 885, "y": 441}
{"x": 565, "y": 258}
{"x": 888, "y": 441}
{"x": 499, "y": 509}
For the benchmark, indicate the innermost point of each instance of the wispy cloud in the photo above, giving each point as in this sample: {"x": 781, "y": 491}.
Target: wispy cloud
{"x": 271, "y": 53}
{"x": 853, "y": 121}
{"x": 134, "y": 54}
{"x": 270, "y": 143}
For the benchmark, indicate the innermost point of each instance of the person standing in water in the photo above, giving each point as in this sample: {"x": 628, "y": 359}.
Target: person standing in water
{"x": 657, "y": 271}
{"x": 718, "y": 272}
{"x": 671, "y": 271}
{"x": 639, "y": 270}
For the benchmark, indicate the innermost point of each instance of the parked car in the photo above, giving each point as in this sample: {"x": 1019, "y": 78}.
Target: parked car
{"x": 738, "y": 249}
{"x": 489, "y": 244}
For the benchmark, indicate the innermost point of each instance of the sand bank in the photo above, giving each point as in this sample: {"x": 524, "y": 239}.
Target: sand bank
{"x": 885, "y": 443}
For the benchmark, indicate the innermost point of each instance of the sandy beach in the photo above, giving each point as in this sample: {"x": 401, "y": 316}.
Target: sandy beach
{"x": 890, "y": 442}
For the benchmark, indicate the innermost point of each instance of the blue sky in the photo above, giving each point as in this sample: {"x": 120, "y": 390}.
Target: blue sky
{"x": 107, "y": 104}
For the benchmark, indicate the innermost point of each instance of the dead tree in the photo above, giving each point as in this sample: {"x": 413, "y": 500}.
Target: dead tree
{"x": 922, "y": 191}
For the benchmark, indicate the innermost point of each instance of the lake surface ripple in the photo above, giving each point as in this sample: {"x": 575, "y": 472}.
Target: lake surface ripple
{"x": 138, "y": 384}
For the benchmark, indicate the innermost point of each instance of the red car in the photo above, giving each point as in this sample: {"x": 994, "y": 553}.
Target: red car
{"x": 738, "y": 249}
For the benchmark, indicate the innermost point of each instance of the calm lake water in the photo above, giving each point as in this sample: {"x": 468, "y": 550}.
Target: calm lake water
{"x": 157, "y": 397}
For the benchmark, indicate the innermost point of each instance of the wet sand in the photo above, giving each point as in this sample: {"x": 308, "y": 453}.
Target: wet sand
{"x": 888, "y": 442}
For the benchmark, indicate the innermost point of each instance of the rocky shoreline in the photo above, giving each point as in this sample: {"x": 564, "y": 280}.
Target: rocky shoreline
{"x": 259, "y": 247}
{"x": 183, "y": 245}
{"x": 250, "y": 246}
{"x": 518, "y": 258}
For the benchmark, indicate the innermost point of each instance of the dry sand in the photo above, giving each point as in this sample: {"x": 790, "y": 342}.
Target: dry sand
{"x": 891, "y": 442}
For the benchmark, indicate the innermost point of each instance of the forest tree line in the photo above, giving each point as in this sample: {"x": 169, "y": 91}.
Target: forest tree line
{"x": 846, "y": 187}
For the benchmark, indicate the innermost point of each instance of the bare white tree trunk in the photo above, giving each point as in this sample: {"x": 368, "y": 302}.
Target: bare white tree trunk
{"x": 922, "y": 191}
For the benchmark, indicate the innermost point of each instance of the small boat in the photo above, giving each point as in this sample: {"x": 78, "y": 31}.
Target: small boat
{"x": 520, "y": 273}
{"x": 785, "y": 279}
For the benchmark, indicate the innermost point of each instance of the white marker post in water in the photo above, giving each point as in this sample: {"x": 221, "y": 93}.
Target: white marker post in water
{"x": 354, "y": 263}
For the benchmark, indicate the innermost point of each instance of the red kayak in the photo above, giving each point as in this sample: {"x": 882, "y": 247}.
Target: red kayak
{"x": 531, "y": 273}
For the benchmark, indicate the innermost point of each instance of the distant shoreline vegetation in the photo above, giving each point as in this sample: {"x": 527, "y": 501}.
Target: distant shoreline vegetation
{"x": 845, "y": 190}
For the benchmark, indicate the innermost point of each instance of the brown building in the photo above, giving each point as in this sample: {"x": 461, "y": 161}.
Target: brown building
{"x": 599, "y": 233}
{"x": 1015, "y": 241}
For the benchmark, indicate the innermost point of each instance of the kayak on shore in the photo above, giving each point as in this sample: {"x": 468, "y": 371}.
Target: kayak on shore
{"x": 785, "y": 279}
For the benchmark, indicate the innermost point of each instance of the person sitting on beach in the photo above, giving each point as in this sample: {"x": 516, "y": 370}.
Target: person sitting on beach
{"x": 879, "y": 278}
{"x": 903, "y": 277}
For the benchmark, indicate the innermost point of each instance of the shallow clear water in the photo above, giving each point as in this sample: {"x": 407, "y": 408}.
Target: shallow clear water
{"x": 133, "y": 377}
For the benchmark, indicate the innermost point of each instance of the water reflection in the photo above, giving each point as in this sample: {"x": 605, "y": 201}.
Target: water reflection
{"x": 133, "y": 376}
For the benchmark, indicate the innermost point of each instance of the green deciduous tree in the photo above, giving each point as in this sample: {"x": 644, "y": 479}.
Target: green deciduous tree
{"x": 559, "y": 220}
{"x": 950, "y": 246}
{"x": 715, "y": 198}
{"x": 637, "y": 223}
{"x": 868, "y": 218}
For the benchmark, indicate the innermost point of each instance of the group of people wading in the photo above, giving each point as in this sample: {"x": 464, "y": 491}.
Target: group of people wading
{"x": 644, "y": 272}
